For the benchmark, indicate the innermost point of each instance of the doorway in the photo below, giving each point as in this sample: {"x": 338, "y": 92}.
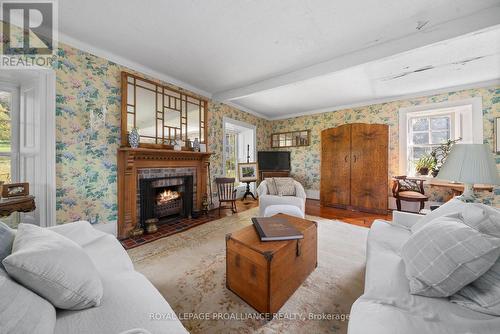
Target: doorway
{"x": 27, "y": 139}
{"x": 239, "y": 147}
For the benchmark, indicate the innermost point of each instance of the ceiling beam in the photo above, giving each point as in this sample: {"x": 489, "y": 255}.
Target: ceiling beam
{"x": 428, "y": 34}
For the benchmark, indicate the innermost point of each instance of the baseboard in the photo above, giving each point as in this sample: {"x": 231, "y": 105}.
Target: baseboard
{"x": 109, "y": 227}
{"x": 312, "y": 194}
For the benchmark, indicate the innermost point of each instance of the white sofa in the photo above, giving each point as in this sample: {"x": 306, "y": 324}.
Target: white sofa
{"x": 388, "y": 307}
{"x": 265, "y": 200}
{"x": 129, "y": 299}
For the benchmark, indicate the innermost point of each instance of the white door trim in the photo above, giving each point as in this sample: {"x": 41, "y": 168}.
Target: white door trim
{"x": 46, "y": 86}
{"x": 49, "y": 111}
{"x": 225, "y": 120}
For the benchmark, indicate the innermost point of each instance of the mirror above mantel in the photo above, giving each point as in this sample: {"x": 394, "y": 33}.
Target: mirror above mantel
{"x": 160, "y": 114}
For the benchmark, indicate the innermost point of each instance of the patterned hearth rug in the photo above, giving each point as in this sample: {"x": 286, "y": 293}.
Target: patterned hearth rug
{"x": 189, "y": 270}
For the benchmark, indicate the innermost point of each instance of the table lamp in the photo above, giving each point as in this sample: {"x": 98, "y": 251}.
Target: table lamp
{"x": 470, "y": 164}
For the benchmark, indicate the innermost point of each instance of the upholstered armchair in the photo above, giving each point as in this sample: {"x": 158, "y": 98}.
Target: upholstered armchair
{"x": 266, "y": 199}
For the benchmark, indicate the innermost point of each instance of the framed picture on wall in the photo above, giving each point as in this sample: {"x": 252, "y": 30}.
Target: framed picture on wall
{"x": 497, "y": 134}
{"x": 15, "y": 190}
{"x": 248, "y": 172}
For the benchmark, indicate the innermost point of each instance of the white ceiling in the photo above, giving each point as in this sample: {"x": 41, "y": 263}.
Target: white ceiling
{"x": 461, "y": 61}
{"x": 278, "y": 58}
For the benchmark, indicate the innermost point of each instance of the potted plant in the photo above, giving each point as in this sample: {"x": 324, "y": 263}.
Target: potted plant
{"x": 425, "y": 164}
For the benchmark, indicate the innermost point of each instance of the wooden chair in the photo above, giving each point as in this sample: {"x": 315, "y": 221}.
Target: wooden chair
{"x": 409, "y": 190}
{"x": 226, "y": 192}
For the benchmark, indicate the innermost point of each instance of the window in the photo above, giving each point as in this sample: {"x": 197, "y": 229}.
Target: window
{"x": 231, "y": 153}
{"x": 239, "y": 143}
{"x": 428, "y": 131}
{"x": 5, "y": 136}
{"x": 423, "y": 128}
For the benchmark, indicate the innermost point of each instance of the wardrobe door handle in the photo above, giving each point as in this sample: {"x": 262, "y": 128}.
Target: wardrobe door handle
{"x": 346, "y": 156}
{"x": 355, "y": 158}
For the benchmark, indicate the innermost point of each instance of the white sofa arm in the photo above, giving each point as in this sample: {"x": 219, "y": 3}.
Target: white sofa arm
{"x": 299, "y": 190}
{"x": 262, "y": 189}
{"x": 405, "y": 219}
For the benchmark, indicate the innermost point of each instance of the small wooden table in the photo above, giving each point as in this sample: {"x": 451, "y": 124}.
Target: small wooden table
{"x": 266, "y": 274}
{"x": 19, "y": 204}
{"x": 458, "y": 188}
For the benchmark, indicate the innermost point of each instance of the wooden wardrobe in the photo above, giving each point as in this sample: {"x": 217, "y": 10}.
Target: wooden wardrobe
{"x": 354, "y": 167}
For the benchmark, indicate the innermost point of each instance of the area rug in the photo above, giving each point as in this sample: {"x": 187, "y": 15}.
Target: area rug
{"x": 189, "y": 271}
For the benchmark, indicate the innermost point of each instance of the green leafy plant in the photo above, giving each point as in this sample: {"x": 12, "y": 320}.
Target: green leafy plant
{"x": 425, "y": 164}
{"x": 440, "y": 153}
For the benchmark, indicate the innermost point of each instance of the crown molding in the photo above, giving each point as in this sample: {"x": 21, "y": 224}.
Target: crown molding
{"x": 78, "y": 44}
{"x": 481, "y": 84}
{"x": 135, "y": 66}
{"x": 245, "y": 109}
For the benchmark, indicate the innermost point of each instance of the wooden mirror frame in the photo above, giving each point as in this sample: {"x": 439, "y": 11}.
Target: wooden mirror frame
{"x": 276, "y": 141}
{"x": 172, "y": 99}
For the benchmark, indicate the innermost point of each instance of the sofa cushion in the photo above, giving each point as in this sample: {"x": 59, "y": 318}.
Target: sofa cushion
{"x": 54, "y": 267}
{"x": 446, "y": 254}
{"x": 6, "y": 239}
{"x": 387, "y": 307}
{"x": 130, "y": 301}
{"x": 285, "y": 186}
{"x": 482, "y": 295}
{"x": 450, "y": 207}
{"x": 96, "y": 243}
{"x": 271, "y": 186}
{"x": 23, "y": 311}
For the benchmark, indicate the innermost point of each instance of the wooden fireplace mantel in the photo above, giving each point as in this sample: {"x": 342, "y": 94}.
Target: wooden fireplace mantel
{"x": 130, "y": 160}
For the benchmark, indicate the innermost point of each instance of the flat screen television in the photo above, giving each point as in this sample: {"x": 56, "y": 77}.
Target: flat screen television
{"x": 273, "y": 160}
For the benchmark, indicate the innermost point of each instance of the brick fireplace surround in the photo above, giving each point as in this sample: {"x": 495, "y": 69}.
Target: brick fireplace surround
{"x": 136, "y": 163}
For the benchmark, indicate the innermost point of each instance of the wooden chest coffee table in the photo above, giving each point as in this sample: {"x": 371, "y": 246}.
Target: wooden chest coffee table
{"x": 266, "y": 274}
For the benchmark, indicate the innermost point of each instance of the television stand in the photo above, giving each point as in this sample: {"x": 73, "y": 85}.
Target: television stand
{"x": 263, "y": 174}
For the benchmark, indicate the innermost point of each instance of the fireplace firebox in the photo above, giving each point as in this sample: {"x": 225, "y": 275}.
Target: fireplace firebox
{"x": 165, "y": 198}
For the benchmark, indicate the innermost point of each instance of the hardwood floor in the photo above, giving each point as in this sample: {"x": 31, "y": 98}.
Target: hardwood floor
{"x": 313, "y": 208}
{"x": 364, "y": 219}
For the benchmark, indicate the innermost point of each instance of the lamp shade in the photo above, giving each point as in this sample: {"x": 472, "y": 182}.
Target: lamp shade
{"x": 470, "y": 163}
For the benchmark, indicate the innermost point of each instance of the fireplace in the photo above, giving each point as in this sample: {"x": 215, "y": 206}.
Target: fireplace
{"x": 168, "y": 202}
{"x": 135, "y": 164}
{"x": 165, "y": 198}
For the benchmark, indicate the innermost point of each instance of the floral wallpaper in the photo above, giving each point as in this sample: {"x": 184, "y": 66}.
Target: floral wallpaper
{"x": 216, "y": 113}
{"x": 88, "y": 135}
{"x": 306, "y": 160}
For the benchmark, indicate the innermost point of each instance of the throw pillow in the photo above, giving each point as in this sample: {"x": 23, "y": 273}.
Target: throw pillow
{"x": 408, "y": 185}
{"x": 482, "y": 295}
{"x": 285, "y": 186}
{"x": 271, "y": 186}
{"x": 23, "y": 311}
{"x": 446, "y": 255}
{"x": 6, "y": 238}
{"x": 54, "y": 267}
{"x": 452, "y": 206}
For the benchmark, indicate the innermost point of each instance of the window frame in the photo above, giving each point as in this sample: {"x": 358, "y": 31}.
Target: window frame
{"x": 166, "y": 99}
{"x": 429, "y": 116}
{"x": 467, "y": 124}
{"x": 13, "y": 154}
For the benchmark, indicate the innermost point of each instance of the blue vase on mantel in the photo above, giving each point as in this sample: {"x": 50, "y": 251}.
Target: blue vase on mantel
{"x": 133, "y": 138}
